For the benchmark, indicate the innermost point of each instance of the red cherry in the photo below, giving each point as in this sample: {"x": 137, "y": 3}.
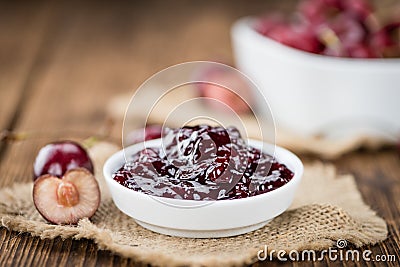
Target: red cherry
{"x": 335, "y": 51}
{"x": 359, "y": 9}
{"x": 266, "y": 24}
{"x": 59, "y": 157}
{"x": 234, "y": 97}
{"x": 319, "y": 11}
{"x": 297, "y": 36}
{"x": 304, "y": 38}
{"x": 145, "y": 134}
{"x": 349, "y": 30}
{"x": 361, "y": 51}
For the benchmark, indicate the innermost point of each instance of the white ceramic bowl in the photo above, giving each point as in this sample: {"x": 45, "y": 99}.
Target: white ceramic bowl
{"x": 203, "y": 219}
{"x": 312, "y": 94}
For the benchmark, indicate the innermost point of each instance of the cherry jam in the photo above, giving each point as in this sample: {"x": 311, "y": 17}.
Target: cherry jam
{"x": 203, "y": 163}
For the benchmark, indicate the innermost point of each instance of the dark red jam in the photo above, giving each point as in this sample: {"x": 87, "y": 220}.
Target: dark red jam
{"x": 203, "y": 163}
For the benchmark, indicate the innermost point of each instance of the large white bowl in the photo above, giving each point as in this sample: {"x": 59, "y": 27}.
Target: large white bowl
{"x": 311, "y": 94}
{"x": 203, "y": 219}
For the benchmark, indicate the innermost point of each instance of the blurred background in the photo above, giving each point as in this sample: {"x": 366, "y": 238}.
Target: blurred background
{"x": 63, "y": 62}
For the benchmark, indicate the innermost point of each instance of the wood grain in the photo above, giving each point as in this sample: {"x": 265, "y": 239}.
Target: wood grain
{"x": 60, "y": 62}
{"x": 18, "y": 27}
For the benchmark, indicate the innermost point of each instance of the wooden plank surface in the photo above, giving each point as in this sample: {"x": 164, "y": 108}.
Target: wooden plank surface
{"x": 18, "y": 27}
{"x": 60, "y": 62}
{"x": 22, "y": 36}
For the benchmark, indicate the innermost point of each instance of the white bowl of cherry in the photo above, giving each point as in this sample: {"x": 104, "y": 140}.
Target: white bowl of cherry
{"x": 203, "y": 182}
{"x": 325, "y": 73}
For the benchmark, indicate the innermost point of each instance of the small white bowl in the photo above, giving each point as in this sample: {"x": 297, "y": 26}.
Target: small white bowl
{"x": 203, "y": 219}
{"x": 312, "y": 94}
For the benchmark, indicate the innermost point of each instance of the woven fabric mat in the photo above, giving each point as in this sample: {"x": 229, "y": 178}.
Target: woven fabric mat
{"x": 327, "y": 207}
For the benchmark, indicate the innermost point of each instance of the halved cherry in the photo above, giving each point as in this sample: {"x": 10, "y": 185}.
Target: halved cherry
{"x": 67, "y": 200}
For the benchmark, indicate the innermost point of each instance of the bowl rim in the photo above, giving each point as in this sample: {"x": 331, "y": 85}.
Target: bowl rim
{"x": 298, "y": 169}
{"x": 244, "y": 25}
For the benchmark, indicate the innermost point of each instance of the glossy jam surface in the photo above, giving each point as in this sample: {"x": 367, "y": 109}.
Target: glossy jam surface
{"x": 203, "y": 163}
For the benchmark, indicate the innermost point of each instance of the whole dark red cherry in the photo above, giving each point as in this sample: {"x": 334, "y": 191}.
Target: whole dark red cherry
{"x": 58, "y": 157}
{"x": 150, "y": 132}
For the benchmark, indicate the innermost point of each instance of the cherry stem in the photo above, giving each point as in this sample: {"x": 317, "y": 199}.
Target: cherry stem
{"x": 7, "y": 136}
{"x": 10, "y": 136}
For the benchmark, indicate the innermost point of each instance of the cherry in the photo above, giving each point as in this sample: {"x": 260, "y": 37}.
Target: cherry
{"x": 318, "y": 11}
{"x": 360, "y": 9}
{"x": 150, "y": 132}
{"x": 67, "y": 200}
{"x": 362, "y": 51}
{"x": 299, "y": 35}
{"x": 233, "y": 97}
{"x": 265, "y": 24}
{"x": 58, "y": 157}
{"x": 349, "y": 30}
{"x": 302, "y": 37}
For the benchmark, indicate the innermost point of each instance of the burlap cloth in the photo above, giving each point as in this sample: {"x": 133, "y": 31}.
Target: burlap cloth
{"x": 327, "y": 207}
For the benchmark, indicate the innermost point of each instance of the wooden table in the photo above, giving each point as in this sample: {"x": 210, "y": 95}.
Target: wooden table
{"x": 60, "y": 62}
